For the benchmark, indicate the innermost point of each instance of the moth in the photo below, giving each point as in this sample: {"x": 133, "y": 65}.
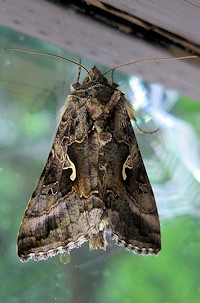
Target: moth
{"x": 94, "y": 180}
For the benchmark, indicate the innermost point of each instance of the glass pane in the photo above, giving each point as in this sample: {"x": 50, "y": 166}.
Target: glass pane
{"x": 33, "y": 89}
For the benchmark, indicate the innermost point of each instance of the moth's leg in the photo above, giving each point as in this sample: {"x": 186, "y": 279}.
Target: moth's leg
{"x": 79, "y": 71}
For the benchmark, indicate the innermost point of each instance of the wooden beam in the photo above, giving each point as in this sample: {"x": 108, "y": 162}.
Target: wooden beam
{"x": 80, "y": 31}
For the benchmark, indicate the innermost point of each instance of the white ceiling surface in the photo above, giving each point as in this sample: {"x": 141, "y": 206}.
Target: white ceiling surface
{"x": 80, "y": 34}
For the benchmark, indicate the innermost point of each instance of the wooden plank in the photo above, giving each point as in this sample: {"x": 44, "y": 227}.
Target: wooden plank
{"x": 178, "y": 17}
{"x": 157, "y": 18}
{"x": 80, "y": 34}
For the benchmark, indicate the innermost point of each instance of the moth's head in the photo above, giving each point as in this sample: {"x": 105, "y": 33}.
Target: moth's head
{"x": 95, "y": 76}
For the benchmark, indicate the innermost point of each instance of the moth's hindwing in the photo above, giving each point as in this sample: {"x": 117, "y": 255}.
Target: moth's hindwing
{"x": 94, "y": 181}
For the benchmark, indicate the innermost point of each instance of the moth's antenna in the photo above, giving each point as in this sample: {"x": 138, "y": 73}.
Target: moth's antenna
{"x": 146, "y": 60}
{"x": 47, "y": 54}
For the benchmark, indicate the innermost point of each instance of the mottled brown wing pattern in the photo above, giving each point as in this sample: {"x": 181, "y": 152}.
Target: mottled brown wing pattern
{"x": 94, "y": 181}
{"x": 63, "y": 211}
{"x": 133, "y": 217}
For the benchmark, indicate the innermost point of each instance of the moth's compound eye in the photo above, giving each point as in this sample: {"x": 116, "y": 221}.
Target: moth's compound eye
{"x": 74, "y": 86}
{"x": 86, "y": 80}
